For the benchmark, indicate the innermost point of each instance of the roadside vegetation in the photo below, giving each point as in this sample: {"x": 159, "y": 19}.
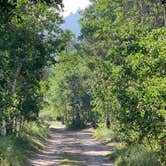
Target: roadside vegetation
{"x": 112, "y": 78}
{"x": 115, "y": 78}
{"x": 16, "y": 150}
{"x": 135, "y": 155}
{"x": 29, "y": 35}
{"x": 128, "y": 154}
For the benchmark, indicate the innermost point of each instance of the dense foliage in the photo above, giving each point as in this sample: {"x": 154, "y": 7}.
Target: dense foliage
{"x": 28, "y": 44}
{"x": 119, "y": 67}
{"x": 71, "y": 98}
{"x": 114, "y": 75}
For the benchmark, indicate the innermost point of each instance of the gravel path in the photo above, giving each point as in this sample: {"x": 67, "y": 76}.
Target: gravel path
{"x": 72, "y": 148}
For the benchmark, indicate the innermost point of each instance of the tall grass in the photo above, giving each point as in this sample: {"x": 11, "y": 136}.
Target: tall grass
{"x": 135, "y": 155}
{"x": 15, "y": 150}
{"x": 105, "y": 135}
{"x": 125, "y": 155}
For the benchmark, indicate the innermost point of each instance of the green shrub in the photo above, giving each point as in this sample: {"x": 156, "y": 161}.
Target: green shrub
{"x": 38, "y": 130}
{"x": 76, "y": 125}
{"x": 136, "y": 155}
{"x": 105, "y": 135}
{"x": 15, "y": 150}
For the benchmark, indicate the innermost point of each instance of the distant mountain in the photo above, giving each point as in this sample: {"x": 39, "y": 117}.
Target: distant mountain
{"x": 71, "y": 23}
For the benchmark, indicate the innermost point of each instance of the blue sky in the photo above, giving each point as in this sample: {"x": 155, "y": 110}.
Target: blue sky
{"x": 71, "y": 6}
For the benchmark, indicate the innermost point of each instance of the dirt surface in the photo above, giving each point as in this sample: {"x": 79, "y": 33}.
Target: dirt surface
{"x": 76, "y": 148}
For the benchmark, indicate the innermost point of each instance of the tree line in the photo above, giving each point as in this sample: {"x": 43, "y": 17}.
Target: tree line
{"x": 116, "y": 73}
{"x": 29, "y": 38}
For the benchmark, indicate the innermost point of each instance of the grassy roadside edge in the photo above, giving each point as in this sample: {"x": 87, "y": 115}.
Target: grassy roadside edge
{"x": 16, "y": 151}
{"x": 127, "y": 155}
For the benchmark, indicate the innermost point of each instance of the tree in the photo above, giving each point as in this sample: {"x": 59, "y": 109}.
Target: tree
{"x": 28, "y": 40}
{"x": 116, "y": 32}
{"x": 69, "y": 93}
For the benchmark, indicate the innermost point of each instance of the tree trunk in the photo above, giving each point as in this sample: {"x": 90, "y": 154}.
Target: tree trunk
{"x": 1, "y": 130}
{"x": 108, "y": 123}
{"x": 165, "y": 14}
{"x": 16, "y": 78}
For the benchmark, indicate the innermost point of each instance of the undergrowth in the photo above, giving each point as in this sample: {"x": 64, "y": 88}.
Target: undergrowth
{"x": 127, "y": 155}
{"x": 135, "y": 155}
{"x": 14, "y": 151}
{"x": 105, "y": 135}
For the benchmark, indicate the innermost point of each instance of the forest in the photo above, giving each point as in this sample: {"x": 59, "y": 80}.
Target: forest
{"x": 112, "y": 77}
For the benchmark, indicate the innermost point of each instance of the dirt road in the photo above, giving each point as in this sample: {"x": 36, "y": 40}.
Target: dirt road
{"x": 72, "y": 148}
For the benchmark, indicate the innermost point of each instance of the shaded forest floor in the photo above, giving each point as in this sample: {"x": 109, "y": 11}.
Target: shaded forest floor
{"x": 76, "y": 148}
